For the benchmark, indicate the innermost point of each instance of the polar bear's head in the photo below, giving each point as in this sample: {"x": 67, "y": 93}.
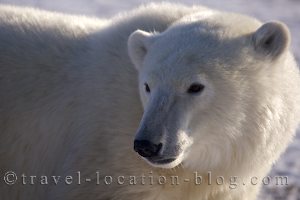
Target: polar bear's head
{"x": 201, "y": 82}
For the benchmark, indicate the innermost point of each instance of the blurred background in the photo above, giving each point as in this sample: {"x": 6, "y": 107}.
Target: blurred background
{"x": 287, "y": 11}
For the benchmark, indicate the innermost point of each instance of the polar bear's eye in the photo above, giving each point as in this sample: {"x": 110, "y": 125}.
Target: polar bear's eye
{"x": 195, "y": 88}
{"x": 147, "y": 88}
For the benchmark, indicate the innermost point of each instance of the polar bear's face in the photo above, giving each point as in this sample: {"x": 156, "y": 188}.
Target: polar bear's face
{"x": 197, "y": 83}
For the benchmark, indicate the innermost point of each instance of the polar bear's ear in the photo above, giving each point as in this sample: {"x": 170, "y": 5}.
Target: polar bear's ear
{"x": 272, "y": 39}
{"x": 138, "y": 44}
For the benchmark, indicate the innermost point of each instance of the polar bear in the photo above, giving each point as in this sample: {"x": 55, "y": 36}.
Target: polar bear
{"x": 163, "y": 102}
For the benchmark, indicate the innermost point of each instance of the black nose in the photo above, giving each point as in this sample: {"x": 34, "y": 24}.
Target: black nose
{"x": 146, "y": 148}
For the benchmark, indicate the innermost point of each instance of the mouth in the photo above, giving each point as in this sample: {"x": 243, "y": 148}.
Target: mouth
{"x": 166, "y": 163}
{"x": 161, "y": 161}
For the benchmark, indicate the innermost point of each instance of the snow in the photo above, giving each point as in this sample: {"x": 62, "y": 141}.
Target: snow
{"x": 287, "y": 11}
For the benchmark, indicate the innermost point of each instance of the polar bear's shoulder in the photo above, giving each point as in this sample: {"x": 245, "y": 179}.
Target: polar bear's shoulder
{"x": 25, "y": 19}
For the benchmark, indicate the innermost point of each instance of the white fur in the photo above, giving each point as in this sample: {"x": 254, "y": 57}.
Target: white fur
{"x": 69, "y": 100}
